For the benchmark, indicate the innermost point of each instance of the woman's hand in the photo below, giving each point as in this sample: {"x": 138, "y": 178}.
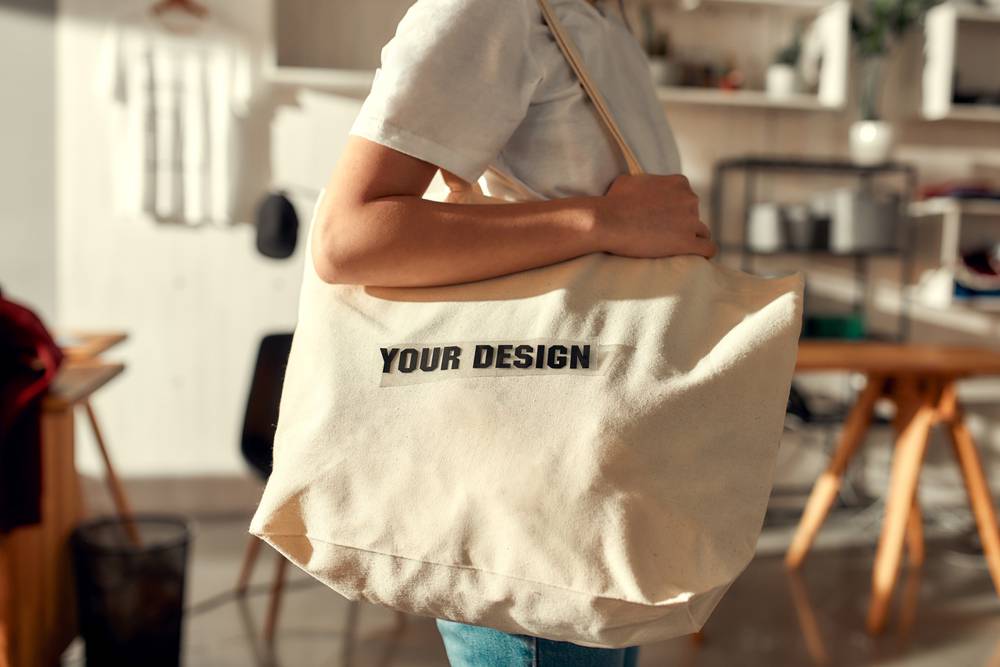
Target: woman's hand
{"x": 652, "y": 216}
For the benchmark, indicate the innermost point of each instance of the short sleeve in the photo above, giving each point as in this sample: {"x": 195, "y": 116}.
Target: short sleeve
{"x": 455, "y": 82}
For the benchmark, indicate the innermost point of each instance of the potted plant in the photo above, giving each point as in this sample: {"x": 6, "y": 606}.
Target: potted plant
{"x": 663, "y": 70}
{"x": 782, "y": 79}
{"x": 876, "y": 26}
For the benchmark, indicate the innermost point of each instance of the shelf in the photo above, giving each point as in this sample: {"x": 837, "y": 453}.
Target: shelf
{"x": 806, "y": 6}
{"x": 801, "y": 164}
{"x": 951, "y": 205}
{"x": 949, "y": 42}
{"x": 950, "y": 211}
{"x": 740, "y": 98}
{"x": 815, "y": 252}
{"x": 360, "y": 81}
{"x": 347, "y": 81}
{"x": 976, "y": 14}
{"x": 984, "y": 113}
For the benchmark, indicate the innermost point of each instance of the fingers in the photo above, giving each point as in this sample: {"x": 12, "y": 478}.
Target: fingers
{"x": 702, "y": 231}
{"x": 704, "y": 247}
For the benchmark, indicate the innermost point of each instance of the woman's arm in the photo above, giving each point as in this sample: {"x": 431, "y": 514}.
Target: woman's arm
{"x": 374, "y": 228}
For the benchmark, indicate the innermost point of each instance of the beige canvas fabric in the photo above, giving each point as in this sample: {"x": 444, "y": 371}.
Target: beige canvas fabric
{"x": 580, "y": 452}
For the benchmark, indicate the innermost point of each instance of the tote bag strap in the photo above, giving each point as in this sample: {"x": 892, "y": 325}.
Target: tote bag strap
{"x": 457, "y": 185}
{"x": 575, "y": 62}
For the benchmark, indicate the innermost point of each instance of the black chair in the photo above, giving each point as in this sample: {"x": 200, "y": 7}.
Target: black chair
{"x": 257, "y": 445}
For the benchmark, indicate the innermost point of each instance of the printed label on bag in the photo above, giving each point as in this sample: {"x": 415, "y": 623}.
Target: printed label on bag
{"x": 413, "y": 363}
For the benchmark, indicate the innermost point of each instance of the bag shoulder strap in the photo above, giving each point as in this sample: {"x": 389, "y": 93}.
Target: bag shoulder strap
{"x": 576, "y": 63}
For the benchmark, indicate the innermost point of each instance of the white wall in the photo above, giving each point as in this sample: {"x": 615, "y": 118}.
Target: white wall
{"x": 27, "y": 154}
{"x": 195, "y": 301}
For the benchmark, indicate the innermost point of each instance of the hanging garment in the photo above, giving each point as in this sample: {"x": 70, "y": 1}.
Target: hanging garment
{"x": 180, "y": 82}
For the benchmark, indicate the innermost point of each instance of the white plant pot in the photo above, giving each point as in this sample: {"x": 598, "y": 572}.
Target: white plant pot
{"x": 781, "y": 81}
{"x": 871, "y": 142}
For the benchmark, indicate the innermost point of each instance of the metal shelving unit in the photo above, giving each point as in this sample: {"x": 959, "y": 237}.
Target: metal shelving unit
{"x": 753, "y": 167}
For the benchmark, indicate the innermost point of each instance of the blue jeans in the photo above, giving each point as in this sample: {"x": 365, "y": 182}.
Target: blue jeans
{"x": 474, "y": 646}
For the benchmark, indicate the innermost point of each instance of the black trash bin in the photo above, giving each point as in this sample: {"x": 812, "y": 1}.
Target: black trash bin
{"x": 130, "y": 596}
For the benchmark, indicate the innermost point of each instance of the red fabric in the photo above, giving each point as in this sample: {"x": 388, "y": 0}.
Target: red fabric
{"x": 29, "y": 360}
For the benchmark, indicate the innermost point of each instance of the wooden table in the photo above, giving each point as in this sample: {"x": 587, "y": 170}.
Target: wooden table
{"x": 920, "y": 380}
{"x": 37, "y": 601}
{"x": 34, "y": 560}
{"x": 85, "y": 345}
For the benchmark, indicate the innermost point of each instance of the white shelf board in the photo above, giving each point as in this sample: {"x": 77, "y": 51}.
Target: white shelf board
{"x": 340, "y": 80}
{"x": 989, "y": 113}
{"x": 740, "y": 98}
{"x": 970, "y": 13}
{"x": 810, "y": 6}
{"x": 360, "y": 81}
{"x": 936, "y": 206}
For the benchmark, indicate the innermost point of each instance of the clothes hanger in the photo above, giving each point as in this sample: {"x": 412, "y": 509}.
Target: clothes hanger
{"x": 190, "y": 6}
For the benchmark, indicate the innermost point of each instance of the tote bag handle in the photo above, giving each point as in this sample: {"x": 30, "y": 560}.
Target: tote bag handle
{"x": 576, "y": 63}
{"x": 466, "y": 190}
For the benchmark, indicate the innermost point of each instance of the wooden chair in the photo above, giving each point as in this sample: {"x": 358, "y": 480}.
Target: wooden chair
{"x": 256, "y": 445}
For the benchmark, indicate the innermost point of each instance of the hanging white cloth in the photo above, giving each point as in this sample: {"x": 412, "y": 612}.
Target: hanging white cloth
{"x": 179, "y": 82}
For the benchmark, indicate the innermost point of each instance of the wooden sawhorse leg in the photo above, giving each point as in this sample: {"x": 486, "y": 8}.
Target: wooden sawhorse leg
{"x": 915, "y": 551}
{"x": 975, "y": 480}
{"x": 940, "y": 404}
{"x": 825, "y": 491}
{"x": 906, "y": 395}
{"x": 906, "y": 463}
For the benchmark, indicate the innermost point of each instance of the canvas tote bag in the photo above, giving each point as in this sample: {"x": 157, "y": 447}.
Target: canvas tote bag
{"x": 580, "y": 452}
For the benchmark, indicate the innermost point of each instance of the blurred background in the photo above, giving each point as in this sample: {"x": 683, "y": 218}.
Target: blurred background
{"x": 856, "y": 142}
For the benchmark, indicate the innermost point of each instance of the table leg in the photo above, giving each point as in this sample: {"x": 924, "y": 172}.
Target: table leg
{"x": 906, "y": 395}
{"x": 825, "y": 491}
{"x": 915, "y": 534}
{"x": 909, "y": 603}
{"x": 114, "y": 484}
{"x": 906, "y": 462}
{"x": 975, "y": 481}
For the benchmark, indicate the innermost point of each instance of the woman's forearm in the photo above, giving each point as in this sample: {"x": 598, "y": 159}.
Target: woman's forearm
{"x": 406, "y": 241}
{"x": 375, "y": 229}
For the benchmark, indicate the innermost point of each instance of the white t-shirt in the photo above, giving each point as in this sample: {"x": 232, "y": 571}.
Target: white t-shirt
{"x": 179, "y": 81}
{"x": 467, "y": 84}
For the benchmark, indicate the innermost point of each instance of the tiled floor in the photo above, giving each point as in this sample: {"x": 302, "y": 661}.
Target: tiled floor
{"x": 947, "y": 616}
